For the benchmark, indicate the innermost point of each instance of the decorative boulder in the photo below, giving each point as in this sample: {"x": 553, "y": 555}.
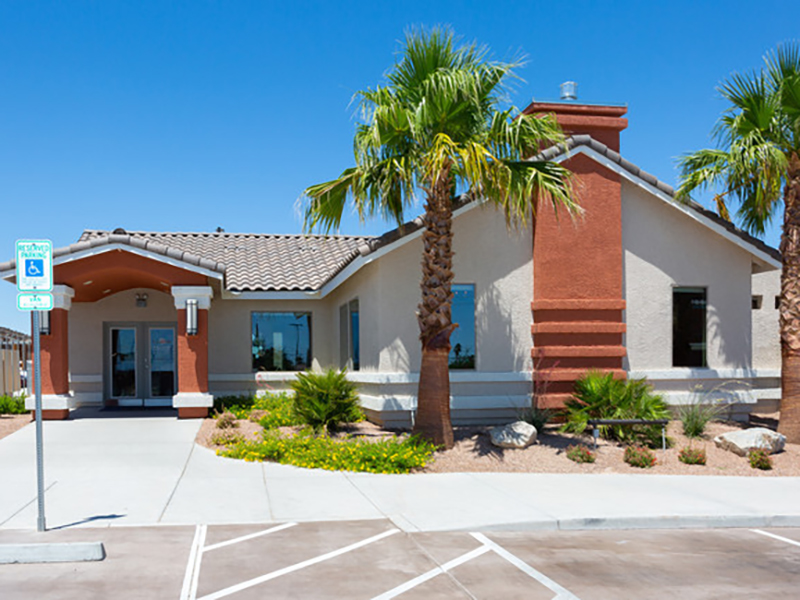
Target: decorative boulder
{"x": 514, "y": 435}
{"x": 741, "y": 442}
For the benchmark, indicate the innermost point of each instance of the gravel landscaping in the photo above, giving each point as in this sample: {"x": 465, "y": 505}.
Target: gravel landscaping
{"x": 11, "y": 423}
{"x": 473, "y": 452}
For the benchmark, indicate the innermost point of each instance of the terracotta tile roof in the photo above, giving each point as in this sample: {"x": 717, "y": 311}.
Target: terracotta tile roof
{"x": 258, "y": 262}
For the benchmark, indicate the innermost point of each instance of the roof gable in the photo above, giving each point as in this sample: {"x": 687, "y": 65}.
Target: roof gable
{"x": 585, "y": 144}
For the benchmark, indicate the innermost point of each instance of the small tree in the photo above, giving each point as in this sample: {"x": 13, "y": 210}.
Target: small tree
{"x": 436, "y": 126}
{"x": 757, "y": 164}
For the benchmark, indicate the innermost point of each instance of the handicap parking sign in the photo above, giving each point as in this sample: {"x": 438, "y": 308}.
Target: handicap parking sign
{"x": 34, "y": 265}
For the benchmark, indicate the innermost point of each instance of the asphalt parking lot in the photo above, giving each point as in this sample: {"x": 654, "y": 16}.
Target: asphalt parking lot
{"x": 372, "y": 559}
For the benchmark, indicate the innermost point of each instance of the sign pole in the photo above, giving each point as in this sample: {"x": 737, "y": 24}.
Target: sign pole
{"x": 34, "y": 284}
{"x": 37, "y": 377}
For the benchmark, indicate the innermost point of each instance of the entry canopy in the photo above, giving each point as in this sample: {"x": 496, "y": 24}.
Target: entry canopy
{"x": 114, "y": 264}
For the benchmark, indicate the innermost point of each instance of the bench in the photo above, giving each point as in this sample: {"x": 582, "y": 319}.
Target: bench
{"x": 596, "y": 423}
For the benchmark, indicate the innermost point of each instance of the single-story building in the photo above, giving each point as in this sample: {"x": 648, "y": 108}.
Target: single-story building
{"x": 639, "y": 285}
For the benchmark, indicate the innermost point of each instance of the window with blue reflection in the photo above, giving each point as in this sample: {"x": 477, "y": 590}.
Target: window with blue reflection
{"x": 281, "y": 341}
{"x": 462, "y": 342}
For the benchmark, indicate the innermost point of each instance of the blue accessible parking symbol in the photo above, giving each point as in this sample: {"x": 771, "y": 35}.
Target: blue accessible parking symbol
{"x": 34, "y": 267}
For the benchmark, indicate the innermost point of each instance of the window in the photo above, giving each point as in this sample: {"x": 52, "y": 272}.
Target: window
{"x": 281, "y": 341}
{"x": 756, "y": 302}
{"x": 462, "y": 342}
{"x": 689, "y": 327}
{"x": 349, "y": 347}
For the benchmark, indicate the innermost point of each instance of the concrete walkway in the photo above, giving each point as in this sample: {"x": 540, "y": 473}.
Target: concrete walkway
{"x": 104, "y": 468}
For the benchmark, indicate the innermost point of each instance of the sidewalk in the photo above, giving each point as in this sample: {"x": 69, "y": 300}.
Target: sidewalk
{"x": 148, "y": 471}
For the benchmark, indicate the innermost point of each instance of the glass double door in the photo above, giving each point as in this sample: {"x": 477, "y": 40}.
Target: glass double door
{"x": 141, "y": 364}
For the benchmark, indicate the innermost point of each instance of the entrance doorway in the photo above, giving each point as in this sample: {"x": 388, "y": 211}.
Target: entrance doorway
{"x": 140, "y": 364}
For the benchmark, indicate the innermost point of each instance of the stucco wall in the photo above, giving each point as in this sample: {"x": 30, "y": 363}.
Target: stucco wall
{"x": 497, "y": 261}
{"x": 229, "y": 332}
{"x": 766, "y": 336}
{"x": 663, "y": 249}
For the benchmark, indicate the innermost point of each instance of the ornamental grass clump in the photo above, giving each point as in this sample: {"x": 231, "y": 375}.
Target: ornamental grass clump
{"x": 326, "y": 400}
{"x": 639, "y": 456}
{"x": 311, "y": 451}
{"x": 580, "y": 454}
{"x": 226, "y": 420}
{"x": 760, "y": 459}
{"x": 692, "y": 456}
{"x": 599, "y": 396}
{"x": 538, "y": 417}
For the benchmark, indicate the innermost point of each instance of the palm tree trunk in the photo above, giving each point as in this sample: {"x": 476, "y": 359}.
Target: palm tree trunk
{"x": 790, "y": 306}
{"x": 434, "y": 315}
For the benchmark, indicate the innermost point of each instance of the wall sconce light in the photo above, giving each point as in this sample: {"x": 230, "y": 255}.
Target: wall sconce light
{"x": 44, "y": 322}
{"x": 141, "y": 300}
{"x": 191, "y": 317}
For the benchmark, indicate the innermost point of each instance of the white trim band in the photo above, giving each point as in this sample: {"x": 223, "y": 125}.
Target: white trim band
{"x": 690, "y": 373}
{"x": 201, "y": 293}
{"x": 379, "y": 377}
{"x": 192, "y": 400}
{"x": 62, "y": 296}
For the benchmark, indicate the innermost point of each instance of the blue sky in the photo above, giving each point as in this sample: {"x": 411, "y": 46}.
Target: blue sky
{"x": 185, "y": 116}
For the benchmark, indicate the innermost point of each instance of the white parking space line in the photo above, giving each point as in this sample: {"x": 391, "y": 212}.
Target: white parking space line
{"x": 301, "y": 565}
{"x": 777, "y": 537}
{"x": 189, "y": 589}
{"x": 251, "y": 536}
{"x": 561, "y": 592}
{"x": 400, "y": 589}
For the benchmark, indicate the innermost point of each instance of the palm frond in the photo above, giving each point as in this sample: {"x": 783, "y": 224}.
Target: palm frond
{"x": 438, "y": 114}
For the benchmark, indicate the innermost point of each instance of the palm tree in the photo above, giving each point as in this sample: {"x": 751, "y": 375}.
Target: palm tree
{"x": 757, "y": 164}
{"x": 436, "y": 126}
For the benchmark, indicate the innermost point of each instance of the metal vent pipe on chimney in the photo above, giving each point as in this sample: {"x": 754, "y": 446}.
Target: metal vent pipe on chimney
{"x": 569, "y": 90}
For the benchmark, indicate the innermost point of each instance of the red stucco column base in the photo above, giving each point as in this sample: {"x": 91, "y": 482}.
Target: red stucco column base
{"x": 193, "y": 412}
{"x": 55, "y": 414}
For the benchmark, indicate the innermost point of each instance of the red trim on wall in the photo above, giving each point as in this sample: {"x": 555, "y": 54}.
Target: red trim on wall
{"x": 192, "y": 412}
{"x": 193, "y": 354}
{"x": 55, "y": 355}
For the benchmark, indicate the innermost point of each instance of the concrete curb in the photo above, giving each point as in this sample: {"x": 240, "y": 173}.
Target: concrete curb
{"x": 49, "y": 553}
{"x": 658, "y": 522}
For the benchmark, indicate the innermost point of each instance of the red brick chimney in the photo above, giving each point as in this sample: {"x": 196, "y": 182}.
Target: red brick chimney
{"x": 603, "y": 123}
{"x": 578, "y": 299}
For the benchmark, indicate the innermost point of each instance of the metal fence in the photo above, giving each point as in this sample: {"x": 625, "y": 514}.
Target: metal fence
{"x": 15, "y": 352}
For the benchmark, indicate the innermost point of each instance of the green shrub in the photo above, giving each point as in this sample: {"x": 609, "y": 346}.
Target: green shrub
{"x": 326, "y": 400}
{"x": 600, "y": 396}
{"x": 270, "y": 410}
{"x": 696, "y": 415}
{"x": 351, "y": 454}
{"x": 692, "y": 456}
{"x": 277, "y": 410}
{"x": 638, "y": 456}
{"x": 226, "y": 420}
{"x": 580, "y": 454}
{"x": 234, "y": 404}
{"x": 538, "y": 417}
{"x": 226, "y": 437}
{"x": 760, "y": 459}
{"x": 10, "y": 405}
